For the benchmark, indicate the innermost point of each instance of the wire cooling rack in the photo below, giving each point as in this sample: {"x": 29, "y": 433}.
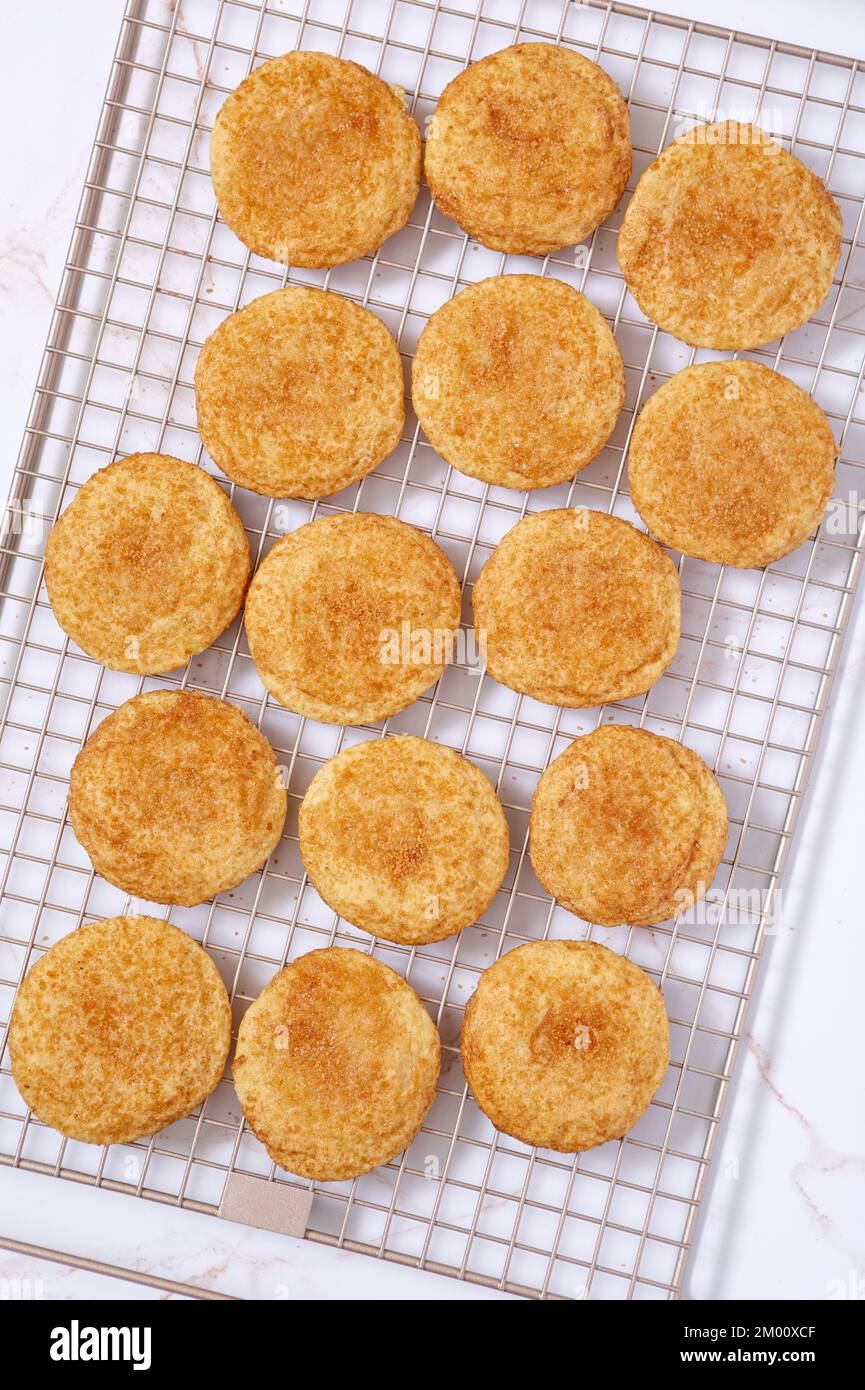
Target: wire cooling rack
{"x": 151, "y": 271}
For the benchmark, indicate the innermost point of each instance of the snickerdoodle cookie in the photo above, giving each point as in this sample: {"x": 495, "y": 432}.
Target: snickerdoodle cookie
{"x": 732, "y": 463}
{"x": 564, "y": 1044}
{"x": 518, "y": 381}
{"x": 576, "y": 608}
{"x": 627, "y": 826}
{"x": 176, "y": 797}
{"x": 350, "y": 618}
{"x": 404, "y": 838}
{"x": 299, "y": 394}
{"x": 336, "y": 1066}
{"x": 120, "y": 1029}
{"x": 729, "y": 241}
{"x": 529, "y": 148}
{"x": 148, "y": 564}
{"x": 315, "y": 160}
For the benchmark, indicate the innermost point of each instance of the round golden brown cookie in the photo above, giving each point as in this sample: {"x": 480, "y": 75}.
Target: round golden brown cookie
{"x": 627, "y": 827}
{"x": 336, "y": 1066}
{"x": 350, "y": 618}
{"x": 732, "y": 463}
{"x": 176, "y": 797}
{"x": 518, "y": 381}
{"x": 120, "y": 1029}
{"x": 529, "y": 148}
{"x": 576, "y": 608}
{"x": 299, "y": 394}
{"x": 148, "y": 565}
{"x": 729, "y": 241}
{"x": 564, "y": 1044}
{"x": 404, "y": 838}
{"x": 315, "y": 160}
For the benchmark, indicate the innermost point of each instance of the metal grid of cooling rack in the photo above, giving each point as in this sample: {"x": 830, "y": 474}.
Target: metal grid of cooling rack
{"x": 151, "y": 270}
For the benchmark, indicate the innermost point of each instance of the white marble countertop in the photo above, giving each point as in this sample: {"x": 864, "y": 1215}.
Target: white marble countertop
{"x": 790, "y": 1224}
